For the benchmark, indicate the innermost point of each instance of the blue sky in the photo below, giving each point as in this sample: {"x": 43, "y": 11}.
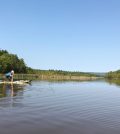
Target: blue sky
{"x": 75, "y": 35}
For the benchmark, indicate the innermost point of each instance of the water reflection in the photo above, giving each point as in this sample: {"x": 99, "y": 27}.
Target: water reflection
{"x": 60, "y": 107}
{"x": 10, "y": 90}
{"x": 113, "y": 81}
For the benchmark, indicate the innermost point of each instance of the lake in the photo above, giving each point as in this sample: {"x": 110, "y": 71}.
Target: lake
{"x": 45, "y": 107}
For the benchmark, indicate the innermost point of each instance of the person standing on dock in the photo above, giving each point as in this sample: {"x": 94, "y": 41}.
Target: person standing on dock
{"x": 10, "y": 76}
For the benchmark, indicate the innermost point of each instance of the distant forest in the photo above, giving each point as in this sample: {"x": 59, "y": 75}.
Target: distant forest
{"x": 10, "y": 61}
{"x": 113, "y": 75}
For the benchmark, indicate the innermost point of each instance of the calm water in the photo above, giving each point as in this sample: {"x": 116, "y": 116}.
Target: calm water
{"x": 60, "y": 108}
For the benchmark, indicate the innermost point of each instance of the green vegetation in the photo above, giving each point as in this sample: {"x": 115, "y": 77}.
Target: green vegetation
{"x": 113, "y": 75}
{"x": 60, "y": 72}
{"x": 113, "y": 81}
{"x": 11, "y": 61}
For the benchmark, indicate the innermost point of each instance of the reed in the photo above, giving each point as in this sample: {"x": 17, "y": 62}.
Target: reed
{"x": 51, "y": 77}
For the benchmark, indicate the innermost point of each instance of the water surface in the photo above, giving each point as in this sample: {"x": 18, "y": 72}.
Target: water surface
{"x": 60, "y": 108}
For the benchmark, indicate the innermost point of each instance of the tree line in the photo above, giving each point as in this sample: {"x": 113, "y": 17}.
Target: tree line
{"x": 10, "y": 61}
{"x": 113, "y": 75}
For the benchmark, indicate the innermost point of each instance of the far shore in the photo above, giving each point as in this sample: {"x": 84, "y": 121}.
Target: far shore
{"x": 53, "y": 77}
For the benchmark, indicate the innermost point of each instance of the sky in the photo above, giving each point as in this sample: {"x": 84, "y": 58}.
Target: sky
{"x": 73, "y": 35}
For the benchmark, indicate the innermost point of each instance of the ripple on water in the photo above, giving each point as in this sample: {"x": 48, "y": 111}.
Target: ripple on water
{"x": 62, "y": 108}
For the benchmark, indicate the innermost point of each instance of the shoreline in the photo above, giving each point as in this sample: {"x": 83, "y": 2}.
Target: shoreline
{"x": 53, "y": 77}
